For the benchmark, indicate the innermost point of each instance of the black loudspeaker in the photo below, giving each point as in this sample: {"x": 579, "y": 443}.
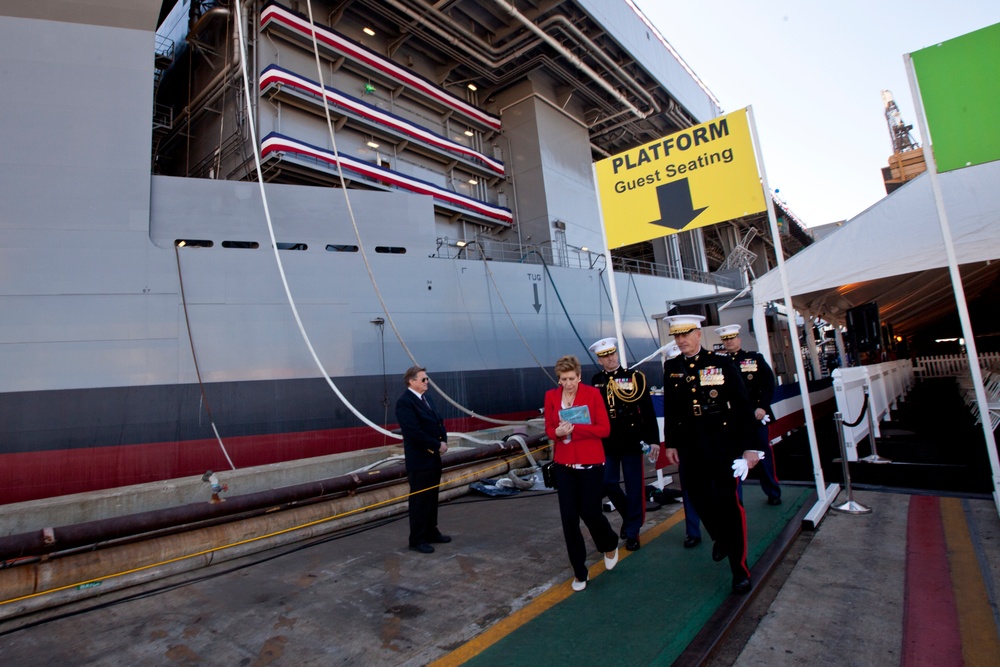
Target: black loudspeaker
{"x": 864, "y": 332}
{"x": 710, "y": 311}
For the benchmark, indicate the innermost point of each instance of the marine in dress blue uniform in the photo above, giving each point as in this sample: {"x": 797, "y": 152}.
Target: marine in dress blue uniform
{"x": 633, "y": 421}
{"x": 707, "y": 414}
{"x": 759, "y": 380}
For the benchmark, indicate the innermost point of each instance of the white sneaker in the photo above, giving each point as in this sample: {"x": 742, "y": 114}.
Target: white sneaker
{"x": 578, "y": 585}
{"x": 609, "y": 563}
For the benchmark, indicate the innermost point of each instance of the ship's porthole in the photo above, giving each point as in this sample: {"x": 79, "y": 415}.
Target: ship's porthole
{"x": 390, "y": 250}
{"x": 193, "y": 243}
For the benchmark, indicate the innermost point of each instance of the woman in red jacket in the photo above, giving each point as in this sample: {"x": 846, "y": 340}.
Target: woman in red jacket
{"x": 579, "y": 469}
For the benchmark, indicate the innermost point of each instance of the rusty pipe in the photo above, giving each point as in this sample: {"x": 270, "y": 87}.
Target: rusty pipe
{"x": 52, "y": 540}
{"x": 74, "y": 577}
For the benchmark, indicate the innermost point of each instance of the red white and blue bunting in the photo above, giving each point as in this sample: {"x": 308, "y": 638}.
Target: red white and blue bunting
{"x": 274, "y": 75}
{"x": 299, "y": 25}
{"x": 275, "y": 143}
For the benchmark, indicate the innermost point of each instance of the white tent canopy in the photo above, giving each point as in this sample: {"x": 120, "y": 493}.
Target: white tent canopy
{"x": 893, "y": 253}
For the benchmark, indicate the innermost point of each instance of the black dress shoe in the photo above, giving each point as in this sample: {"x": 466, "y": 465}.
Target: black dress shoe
{"x": 718, "y": 553}
{"x": 742, "y": 586}
{"x": 632, "y": 544}
{"x": 621, "y": 533}
{"x": 774, "y": 501}
{"x": 423, "y": 548}
{"x": 442, "y": 539}
{"x": 691, "y": 542}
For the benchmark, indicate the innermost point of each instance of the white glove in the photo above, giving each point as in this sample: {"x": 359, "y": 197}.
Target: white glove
{"x": 760, "y": 455}
{"x": 766, "y": 419}
{"x": 740, "y": 468}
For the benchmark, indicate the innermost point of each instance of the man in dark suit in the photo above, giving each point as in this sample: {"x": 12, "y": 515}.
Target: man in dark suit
{"x": 759, "y": 380}
{"x": 424, "y": 441}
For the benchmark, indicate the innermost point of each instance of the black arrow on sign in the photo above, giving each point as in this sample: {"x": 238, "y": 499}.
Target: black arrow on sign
{"x": 676, "y": 211}
{"x": 537, "y": 304}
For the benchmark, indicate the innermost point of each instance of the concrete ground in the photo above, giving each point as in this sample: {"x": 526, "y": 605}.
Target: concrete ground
{"x": 842, "y": 602}
{"x": 363, "y": 598}
{"x": 855, "y": 591}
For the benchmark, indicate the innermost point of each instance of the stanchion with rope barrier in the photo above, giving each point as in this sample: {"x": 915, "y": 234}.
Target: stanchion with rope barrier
{"x": 874, "y": 457}
{"x": 851, "y": 506}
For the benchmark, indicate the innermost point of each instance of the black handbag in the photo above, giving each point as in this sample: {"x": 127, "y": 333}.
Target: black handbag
{"x": 549, "y": 474}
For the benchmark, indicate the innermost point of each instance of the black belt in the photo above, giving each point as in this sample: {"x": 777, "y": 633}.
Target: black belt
{"x": 706, "y": 410}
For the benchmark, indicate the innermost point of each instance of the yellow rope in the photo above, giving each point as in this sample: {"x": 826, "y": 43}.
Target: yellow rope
{"x": 203, "y": 552}
{"x": 627, "y": 396}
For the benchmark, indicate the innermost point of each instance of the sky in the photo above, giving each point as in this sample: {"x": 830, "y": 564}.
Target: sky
{"x": 814, "y": 73}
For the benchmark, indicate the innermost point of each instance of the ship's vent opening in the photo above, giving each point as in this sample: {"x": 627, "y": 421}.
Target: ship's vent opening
{"x": 338, "y": 247}
{"x": 193, "y": 243}
{"x": 390, "y": 250}
{"x": 292, "y": 246}
{"x": 251, "y": 245}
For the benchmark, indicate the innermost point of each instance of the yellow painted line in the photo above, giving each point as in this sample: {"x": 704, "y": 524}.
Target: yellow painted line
{"x": 980, "y": 645}
{"x": 539, "y": 605}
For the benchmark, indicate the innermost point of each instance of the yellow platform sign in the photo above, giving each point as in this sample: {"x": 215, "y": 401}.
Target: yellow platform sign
{"x": 699, "y": 176}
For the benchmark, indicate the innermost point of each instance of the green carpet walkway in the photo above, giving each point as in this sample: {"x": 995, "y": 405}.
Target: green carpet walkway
{"x": 644, "y": 612}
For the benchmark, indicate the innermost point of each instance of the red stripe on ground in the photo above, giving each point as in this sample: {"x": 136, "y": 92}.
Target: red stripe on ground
{"x": 931, "y": 635}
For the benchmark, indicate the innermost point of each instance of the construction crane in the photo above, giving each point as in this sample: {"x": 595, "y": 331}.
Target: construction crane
{"x": 906, "y": 161}
{"x": 902, "y": 140}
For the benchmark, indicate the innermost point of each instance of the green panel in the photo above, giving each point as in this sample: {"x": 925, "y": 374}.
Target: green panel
{"x": 960, "y": 85}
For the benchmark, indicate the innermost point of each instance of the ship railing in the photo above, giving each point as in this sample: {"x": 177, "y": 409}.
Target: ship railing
{"x": 502, "y": 251}
{"x": 163, "y": 52}
{"x": 163, "y": 117}
{"x": 643, "y": 267}
{"x": 570, "y": 257}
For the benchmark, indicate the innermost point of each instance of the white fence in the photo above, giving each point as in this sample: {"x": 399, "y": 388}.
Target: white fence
{"x": 991, "y": 388}
{"x": 953, "y": 365}
{"x": 886, "y": 384}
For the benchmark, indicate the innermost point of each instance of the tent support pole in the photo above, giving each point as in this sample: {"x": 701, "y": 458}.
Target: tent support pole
{"x": 956, "y": 283}
{"x": 793, "y": 330}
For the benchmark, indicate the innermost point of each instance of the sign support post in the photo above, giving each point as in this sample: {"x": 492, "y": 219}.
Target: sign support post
{"x": 612, "y": 289}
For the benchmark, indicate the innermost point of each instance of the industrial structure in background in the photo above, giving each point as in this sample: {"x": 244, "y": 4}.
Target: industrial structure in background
{"x": 907, "y": 160}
